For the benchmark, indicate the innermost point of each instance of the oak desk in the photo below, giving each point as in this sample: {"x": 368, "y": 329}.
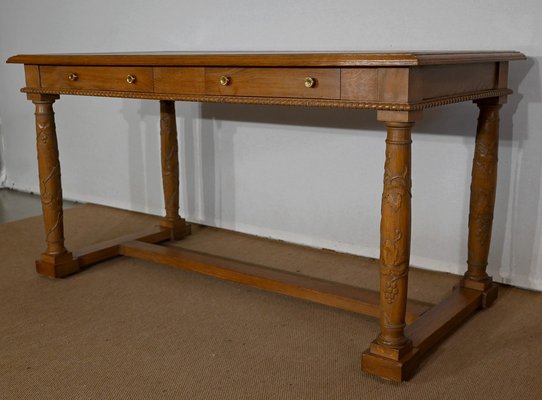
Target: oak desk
{"x": 399, "y": 86}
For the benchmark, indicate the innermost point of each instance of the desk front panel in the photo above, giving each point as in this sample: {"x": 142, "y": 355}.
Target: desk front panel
{"x": 395, "y": 88}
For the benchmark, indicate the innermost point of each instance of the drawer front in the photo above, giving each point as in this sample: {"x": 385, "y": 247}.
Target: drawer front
{"x": 311, "y": 83}
{"x": 179, "y": 80}
{"x": 130, "y": 79}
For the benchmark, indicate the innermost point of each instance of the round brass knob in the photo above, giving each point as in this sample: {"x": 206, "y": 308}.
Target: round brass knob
{"x": 310, "y": 82}
{"x": 72, "y": 77}
{"x": 224, "y": 80}
{"x": 130, "y": 79}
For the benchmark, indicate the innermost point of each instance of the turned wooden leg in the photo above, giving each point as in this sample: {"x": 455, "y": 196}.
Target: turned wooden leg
{"x": 56, "y": 261}
{"x": 395, "y": 240}
{"x": 387, "y": 354}
{"x": 482, "y": 198}
{"x": 170, "y": 171}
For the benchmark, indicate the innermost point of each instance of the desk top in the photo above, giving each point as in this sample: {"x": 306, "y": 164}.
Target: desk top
{"x": 400, "y": 81}
{"x": 271, "y": 59}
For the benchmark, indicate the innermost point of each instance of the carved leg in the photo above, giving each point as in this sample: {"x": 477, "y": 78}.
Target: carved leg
{"x": 482, "y": 198}
{"x": 395, "y": 239}
{"x": 56, "y": 261}
{"x": 389, "y": 353}
{"x": 170, "y": 171}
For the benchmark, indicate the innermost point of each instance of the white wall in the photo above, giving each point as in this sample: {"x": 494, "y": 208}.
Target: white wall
{"x": 3, "y": 176}
{"x": 307, "y": 176}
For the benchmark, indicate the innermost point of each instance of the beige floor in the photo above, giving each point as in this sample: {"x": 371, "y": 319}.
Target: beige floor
{"x": 127, "y": 329}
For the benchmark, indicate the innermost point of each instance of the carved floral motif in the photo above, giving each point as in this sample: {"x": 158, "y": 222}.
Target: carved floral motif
{"x": 43, "y": 132}
{"x": 394, "y": 259}
{"x": 395, "y": 185}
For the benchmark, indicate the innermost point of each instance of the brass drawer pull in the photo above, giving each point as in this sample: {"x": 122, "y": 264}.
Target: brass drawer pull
{"x": 72, "y": 77}
{"x": 131, "y": 79}
{"x": 310, "y": 82}
{"x": 225, "y": 80}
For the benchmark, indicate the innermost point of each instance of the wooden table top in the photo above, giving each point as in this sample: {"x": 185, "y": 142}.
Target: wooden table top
{"x": 270, "y": 59}
{"x": 400, "y": 81}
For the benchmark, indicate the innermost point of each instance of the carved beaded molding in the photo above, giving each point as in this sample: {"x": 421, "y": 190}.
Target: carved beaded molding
{"x": 440, "y": 101}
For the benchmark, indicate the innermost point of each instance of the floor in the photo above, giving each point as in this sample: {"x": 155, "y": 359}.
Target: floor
{"x": 131, "y": 329}
{"x": 16, "y": 205}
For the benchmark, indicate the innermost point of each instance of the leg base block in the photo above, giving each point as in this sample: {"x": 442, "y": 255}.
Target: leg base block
{"x": 390, "y": 369}
{"x": 179, "y": 228}
{"x": 489, "y": 289}
{"x": 57, "y": 266}
{"x": 390, "y": 352}
{"x": 481, "y": 285}
{"x": 489, "y": 296}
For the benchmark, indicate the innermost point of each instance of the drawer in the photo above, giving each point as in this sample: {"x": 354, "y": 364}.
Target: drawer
{"x": 311, "y": 83}
{"x": 130, "y": 79}
{"x": 179, "y": 80}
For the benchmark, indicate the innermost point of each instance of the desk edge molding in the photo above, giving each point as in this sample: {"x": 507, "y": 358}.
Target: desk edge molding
{"x": 278, "y": 59}
{"x": 427, "y": 103}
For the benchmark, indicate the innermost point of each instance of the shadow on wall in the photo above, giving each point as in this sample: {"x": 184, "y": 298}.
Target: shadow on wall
{"x": 199, "y": 158}
{"x": 526, "y": 164}
{"x": 519, "y": 174}
{"x": 143, "y": 144}
{"x": 2, "y": 166}
{"x": 190, "y": 163}
{"x": 216, "y": 144}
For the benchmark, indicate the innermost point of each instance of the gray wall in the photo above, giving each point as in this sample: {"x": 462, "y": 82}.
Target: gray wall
{"x": 306, "y": 176}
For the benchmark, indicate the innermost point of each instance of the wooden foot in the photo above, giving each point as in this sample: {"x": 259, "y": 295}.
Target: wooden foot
{"x": 489, "y": 296}
{"x": 179, "y": 229}
{"x": 397, "y": 370}
{"x": 57, "y": 266}
{"x": 170, "y": 171}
